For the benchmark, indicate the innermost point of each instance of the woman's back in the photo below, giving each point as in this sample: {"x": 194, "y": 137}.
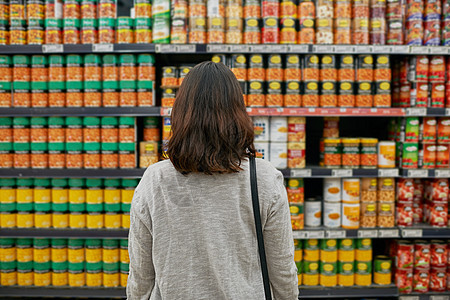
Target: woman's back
{"x": 202, "y": 228}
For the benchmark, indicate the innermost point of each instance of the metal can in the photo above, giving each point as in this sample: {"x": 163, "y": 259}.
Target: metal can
{"x": 310, "y": 273}
{"x": 328, "y": 274}
{"x": 297, "y": 215}
{"x": 332, "y": 214}
{"x": 332, "y": 189}
{"x": 350, "y": 215}
{"x": 404, "y": 280}
{"x": 278, "y": 129}
{"x": 439, "y": 254}
{"x": 404, "y": 212}
{"x": 296, "y": 129}
{"x": 328, "y": 250}
{"x": 351, "y": 190}
{"x": 363, "y": 273}
{"x": 313, "y": 212}
{"x": 346, "y": 273}
{"x": 382, "y": 270}
{"x": 438, "y": 279}
{"x": 422, "y": 255}
{"x": 421, "y": 281}
{"x": 386, "y": 154}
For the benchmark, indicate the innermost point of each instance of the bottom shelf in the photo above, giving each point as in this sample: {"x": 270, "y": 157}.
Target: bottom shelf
{"x": 65, "y": 292}
{"x": 427, "y": 296}
{"x": 373, "y": 291}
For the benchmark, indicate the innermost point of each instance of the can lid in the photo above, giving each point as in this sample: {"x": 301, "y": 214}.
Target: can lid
{"x": 56, "y": 121}
{"x": 39, "y": 60}
{"x": 110, "y": 243}
{"x": 59, "y": 182}
{"x": 369, "y": 140}
{"x": 41, "y": 242}
{"x": 126, "y": 121}
{"x": 350, "y": 140}
{"x": 5, "y": 59}
{"x": 94, "y": 182}
{"x": 76, "y": 242}
{"x": 109, "y": 121}
{"x": 21, "y": 121}
{"x": 92, "y": 59}
{"x": 6, "y": 121}
{"x": 59, "y": 242}
{"x": 24, "y": 242}
{"x": 38, "y": 121}
{"x": 124, "y": 243}
{"x": 74, "y": 121}
{"x": 145, "y": 59}
{"x": 21, "y": 60}
{"x": 93, "y": 242}
{"x": 24, "y": 181}
{"x": 7, "y": 182}
{"x": 76, "y": 182}
{"x": 129, "y": 183}
{"x": 41, "y": 182}
{"x": 112, "y": 182}
{"x": 109, "y": 59}
{"x": 74, "y": 59}
{"x": 56, "y": 60}
{"x": 127, "y": 59}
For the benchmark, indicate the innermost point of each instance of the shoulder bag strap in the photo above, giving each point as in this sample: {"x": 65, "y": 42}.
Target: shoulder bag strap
{"x": 259, "y": 233}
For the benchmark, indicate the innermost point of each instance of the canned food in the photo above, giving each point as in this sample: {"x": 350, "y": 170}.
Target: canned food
{"x": 313, "y": 212}
{"x": 404, "y": 280}
{"x": 350, "y": 215}
{"x": 386, "y": 154}
{"x": 382, "y": 270}
{"x": 332, "y": 189}
{"x": 351, "y": 190}
{"x": 422, "y": 255}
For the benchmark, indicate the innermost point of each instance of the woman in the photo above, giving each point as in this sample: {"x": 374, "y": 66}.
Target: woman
{"x": 192, "y": 233}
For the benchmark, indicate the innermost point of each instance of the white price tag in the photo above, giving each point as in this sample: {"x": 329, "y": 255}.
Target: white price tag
{"x": 388, "y": 173}
{"x": 447, "y": 111}
{"x": 257, "y": 48}
{"x": 388, "y": 233}
{"x": 342, "y": 110}
{"x": 342, "y": 173}
{"x": 218, "y": 49}
{"x": 439, "y": 297}
{"x": 442, "y": 173}
{"x": 409, "y": 298}
{"x": 277, "y": 48}
{"x": 416, "y": 111}
{"x": 301, "y": 173}
{"x": 298, "y": 49}
{"x": 439, "y": 50}
{"x": 320, "y": 234}
{"x": 186, "y": 49}
{"x": 344, "y": 49}
{"x": 239, "y": 48}
{"x": 311, "y": 110}
{"x": 335, "y": 234}
{"x": 52, "y": 48}
{"x": 367, "y": 233}
{"x": 382, "y": 49}
{"x": 102, "y": 47}
{"x": 418, "y": 173}
{"x": 419, "y": 50}
{"x": 400, "y": 49}
{"x": 299, "y": 234}
{"x": 412, "y": 233}
{"x": 323, "y": 49}
{"x": 166, "y": 111}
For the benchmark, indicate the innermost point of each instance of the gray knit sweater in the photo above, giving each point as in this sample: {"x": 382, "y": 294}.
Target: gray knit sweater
{"x": 193, "y": 236}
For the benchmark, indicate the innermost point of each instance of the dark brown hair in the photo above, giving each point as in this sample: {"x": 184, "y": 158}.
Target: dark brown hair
{"x": 211, "y": 130}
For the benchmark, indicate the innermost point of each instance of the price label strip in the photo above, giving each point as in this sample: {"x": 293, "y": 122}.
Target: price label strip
{"x": 102, "y": 47}
{"x": 388, "y": 233}
{"x": 367, "y": 233}
{"x": 388, "y": 173}
{"x": 409, "y": 298}
{"x": 412, "y": 233}
{"x": 299, "y": 234}
{"x": 320, "y": 234}
{"x": 298, "y": 49}
{"x": 52, "y": 48}
{"x": 324, "y": 49}
{"x": 341, "y": 173}
{"x": 301, "y": 173}
{"x": 439, "y": 297}
{"x": 335, "y": 234}
{"x": 442, "y": 173}
{"x": 418, "y": 173}
{"x": 416, "y": 111}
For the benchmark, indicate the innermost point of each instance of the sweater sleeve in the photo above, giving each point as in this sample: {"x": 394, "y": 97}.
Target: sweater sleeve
{"x": 279, "y": 246}
{"x": 141, "y": 279}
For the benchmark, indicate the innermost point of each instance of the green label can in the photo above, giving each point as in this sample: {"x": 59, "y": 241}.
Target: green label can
{"x": 346, "y": 268}
{"x": 310, "y": 267}
{"x": 312, "y": 244}
{"x": 410, "y": 155}
{"x": 328, "y": 244}
{"x": 364, "y": 244}
{"x": 363, "y": 267}
{"x": 346, "y": 244}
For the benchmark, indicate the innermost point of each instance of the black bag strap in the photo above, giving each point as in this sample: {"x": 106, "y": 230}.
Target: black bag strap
{"x": 259, "y": 233}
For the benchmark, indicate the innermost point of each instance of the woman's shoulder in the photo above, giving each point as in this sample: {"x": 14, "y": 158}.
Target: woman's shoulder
{"x": 266, "y": 168}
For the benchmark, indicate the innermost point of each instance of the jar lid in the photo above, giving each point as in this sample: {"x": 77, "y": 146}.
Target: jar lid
{"x": 56, "y": 60}
{"x": 39, "y": 60}
{"x": 92, "y": 59}
{"x": 145, "y": 58}
{"x": 109, "y": 59}
{"x": 332, "y": 140}
{"x": 21, "y": 60}
{"x": 127, "y": 59}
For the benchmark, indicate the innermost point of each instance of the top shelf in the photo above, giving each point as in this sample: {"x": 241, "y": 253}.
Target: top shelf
{"x": 215, "y": 48}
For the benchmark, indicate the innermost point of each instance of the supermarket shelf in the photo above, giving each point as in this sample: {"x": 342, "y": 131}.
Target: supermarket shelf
{"x": 319, "y": 172}
{"x": 77, "y": 49}
{"x": 339, "y": 112}
{"x": 65, "y": 233}
{"x": 427, "y": 296}
{"x": 425, "y": 231}
{"x": 345, "y": 292}
{"x": 425, "y": 173}
{"x": 66, "y": 292}
{"x": 80, "y": 111}
{"x": 76, "y": 173}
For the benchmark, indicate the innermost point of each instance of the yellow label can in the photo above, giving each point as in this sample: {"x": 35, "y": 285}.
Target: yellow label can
{"x": 94, "y": 279}
{"x": 41, "y": 255}
{"x": 94, "y": 196}
{"x": 25, "y": 219}
{"x": 126, "y": 220}
{"x": 8, "y": 277}
{"x": 7, "y": 254}
{"x": 77, "y": 220}
{"x": 93, "y": 255}
{"x": 127, "y": 196}
{"x": 42, "y": 195}
{"x": 24, "y": 254}
{"x": 363, "y": 255}
{"x": 110, "y": 279}
{"x": 95, "y": 220}
{"x": 60, "y": 278}
{"x": 75, "y": 255}
{"x": 42, "y": 220}
{"x": 123, "y": 279}
{"x": 346, "y": 255}
{"x": 7, "y": 195}
{"x": 60, "y": 220}
{"x": 42, "y": 278}
{"x": 77, "y": 278}
{"x": 77, "y": 196}
{"x": 112, "y": 220}
{"x": 124, "y": 257}
{"x": 110, "y": 255}
{"x": 60, "y": 196}
{"x": 59, "y": 255}
{"x": 311, "y": 255}
{"x": 346, "y": 280}
{"x": 8, "y": 220}
{"x": 24, "y": 195}
{"x": 112, "y": 196}
{"x": 363, "y": 280}
{"x": 311, "y": 279}
{"x": 328, "y": 256}
{"x": 25, "y": 278}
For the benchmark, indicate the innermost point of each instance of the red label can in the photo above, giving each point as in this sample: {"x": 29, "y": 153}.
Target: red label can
{"x": 417, "y": 212}
{"x": 404, "y": 280}
{"x": 443, "y": 130}
{"x": 421, "y": 281}
{"x": 438, "y": 280}
{"x": 422, "y": 255}
{"x": 439, "y": 189}
{"x": 405, "y": 255}
{"x": 418, "y": 190}
{"x": 442, "y": 156}
{"x": 404, "y": 213}
{"x": 405, "y": 189}
{"x": 429, "y": 130}
{"x": 429, "y": 156}
{"x": 439, "y": 254}
{"x": 439, "y": 213}
{"x": 437, "y": 69}
{"x": 437, "y": 94}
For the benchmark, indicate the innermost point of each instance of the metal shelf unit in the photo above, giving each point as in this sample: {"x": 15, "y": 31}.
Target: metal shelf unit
{"x": 80, "y": 111}
{"x": 65, "y": 233}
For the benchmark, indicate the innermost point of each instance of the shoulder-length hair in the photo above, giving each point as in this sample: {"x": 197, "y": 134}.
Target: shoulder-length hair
{"x": 211, "y": 130}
